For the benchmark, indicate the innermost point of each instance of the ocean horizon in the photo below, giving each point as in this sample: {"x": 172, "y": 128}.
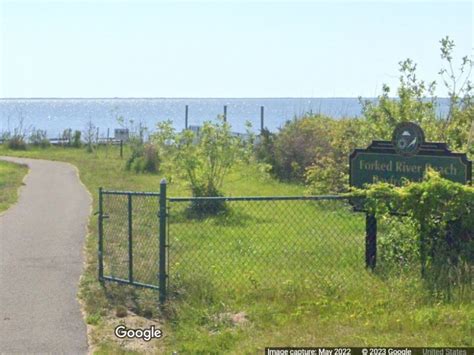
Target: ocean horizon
{"x": 54, "y": 115}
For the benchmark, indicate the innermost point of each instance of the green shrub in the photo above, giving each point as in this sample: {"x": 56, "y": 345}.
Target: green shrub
{"x": 315, "y": 149}
{"x": 38, "y": 138}
{"x": 137, "y": 148}
{"x": 205, "y": 160}
{"x": 16, "y": 142}
{"x": 296, "y": 146}
{"x": 144, "y": 158}
{"x": 67, "y": 137}
{"x": 441, "y": 211}
{"x": 397, "y": 244}
{"x": 265, "y": 148}
{"x": 151, "y": 159}
{"x": 207, "y": 206}
{"x": 329, "y": 173}
{"x": 70, "y": 138}
{"x": 76, "y": 139}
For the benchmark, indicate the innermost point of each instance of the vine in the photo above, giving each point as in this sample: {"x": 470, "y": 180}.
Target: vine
{"x": 442, "y": 212}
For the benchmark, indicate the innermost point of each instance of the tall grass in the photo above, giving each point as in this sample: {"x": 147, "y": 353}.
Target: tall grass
{"x": 11, "y": 176}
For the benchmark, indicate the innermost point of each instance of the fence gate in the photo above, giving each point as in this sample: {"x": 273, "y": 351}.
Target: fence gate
{"x": 132, "y": 238}
{"x": 269, "y": 243}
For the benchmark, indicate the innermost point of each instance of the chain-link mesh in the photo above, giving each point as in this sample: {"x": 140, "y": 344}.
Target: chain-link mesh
{"x": 265, "y": 244}
{"x": 115, "y": 239}
{"x": 130, "y": 237}
{"x": 229, "y": 246}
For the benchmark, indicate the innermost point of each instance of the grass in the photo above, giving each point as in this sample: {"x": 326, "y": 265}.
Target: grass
{"x": 293, "y": 272}
{"x": 11, "y": 177}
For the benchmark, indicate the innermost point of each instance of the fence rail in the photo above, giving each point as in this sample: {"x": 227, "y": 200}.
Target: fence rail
{"x": 230, "y": 245}
{"x": 258, "y": 198}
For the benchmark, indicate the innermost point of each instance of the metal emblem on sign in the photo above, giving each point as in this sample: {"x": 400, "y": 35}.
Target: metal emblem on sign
{"x": 407, "y": 138}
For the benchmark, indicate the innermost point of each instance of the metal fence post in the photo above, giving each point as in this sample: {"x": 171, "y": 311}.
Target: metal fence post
{"x": 370, "y": 240}
{"x": 162, "y": 247}
{"x": 101, "y": 243}
{"x": 130, "y": 239}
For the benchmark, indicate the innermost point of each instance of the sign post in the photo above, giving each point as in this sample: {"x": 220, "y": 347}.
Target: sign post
{"x": 406, "y": 158}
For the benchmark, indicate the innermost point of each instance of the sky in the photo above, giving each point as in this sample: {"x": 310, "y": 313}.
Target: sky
{"x": 222, "y": 49}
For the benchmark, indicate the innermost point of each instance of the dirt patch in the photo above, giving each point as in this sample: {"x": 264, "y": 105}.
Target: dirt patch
{"x": 132, "y": 321}
{"x": 235, "y": 319}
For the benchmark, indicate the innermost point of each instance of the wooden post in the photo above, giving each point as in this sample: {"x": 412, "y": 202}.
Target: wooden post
{"x": 186, "y": 117}
{"x": 262, "y": 119}
{"x": 225, "y": 113}
{"x": 121, "y": 149}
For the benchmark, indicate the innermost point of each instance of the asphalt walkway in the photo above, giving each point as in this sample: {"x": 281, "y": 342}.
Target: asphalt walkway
{"x": 41, "y": 259}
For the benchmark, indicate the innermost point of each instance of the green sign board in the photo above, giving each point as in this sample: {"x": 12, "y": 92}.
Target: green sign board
{"x": 407, "y": 157}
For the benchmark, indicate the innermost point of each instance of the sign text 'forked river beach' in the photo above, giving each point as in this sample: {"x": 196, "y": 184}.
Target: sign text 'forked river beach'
{"x": 407, "y": 157}
{"x": 392, "y": 168}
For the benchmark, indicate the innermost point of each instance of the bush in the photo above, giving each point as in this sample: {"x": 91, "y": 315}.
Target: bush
{"x": 144, "y": 158}
{"x": 67, "y": 137}
{"x": 206, "y": 159}
{"x": 137, "y": 148}
{"x": 208, "y": 206}
{"x": 38, "y": 138}
{"x": 296, "y": 146}
{"x": 76, "y": 139}
{"x": 313, "y": 149}
{"x": 265, "y": 148}
{"x": 73, "y": 139}
{"x": 151, "y": 159}
{"x": 4, "y": 137}
{"x": 329, "y": 173}
{"x": 397, "y": 244}
{"x": 441, "y": 211}
{"x": 16, "y": 142}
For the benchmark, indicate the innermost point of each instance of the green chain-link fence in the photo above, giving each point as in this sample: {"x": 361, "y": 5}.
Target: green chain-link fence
{"x": 229, "y": 245}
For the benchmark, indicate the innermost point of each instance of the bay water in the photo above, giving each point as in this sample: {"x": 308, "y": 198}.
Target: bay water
{"x": 56, "y": 115}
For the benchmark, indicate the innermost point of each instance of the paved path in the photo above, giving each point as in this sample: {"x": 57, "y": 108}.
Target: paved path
{"x": 41, "y": 259}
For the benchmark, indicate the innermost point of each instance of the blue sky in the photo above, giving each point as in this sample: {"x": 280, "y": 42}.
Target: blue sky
{"x": 221, "y": 49}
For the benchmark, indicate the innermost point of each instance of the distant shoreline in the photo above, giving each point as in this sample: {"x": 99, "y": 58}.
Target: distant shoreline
{"x": 54, "y": 114}
{"x": 200, "y": 98}
{"x": 179, "y": 98}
